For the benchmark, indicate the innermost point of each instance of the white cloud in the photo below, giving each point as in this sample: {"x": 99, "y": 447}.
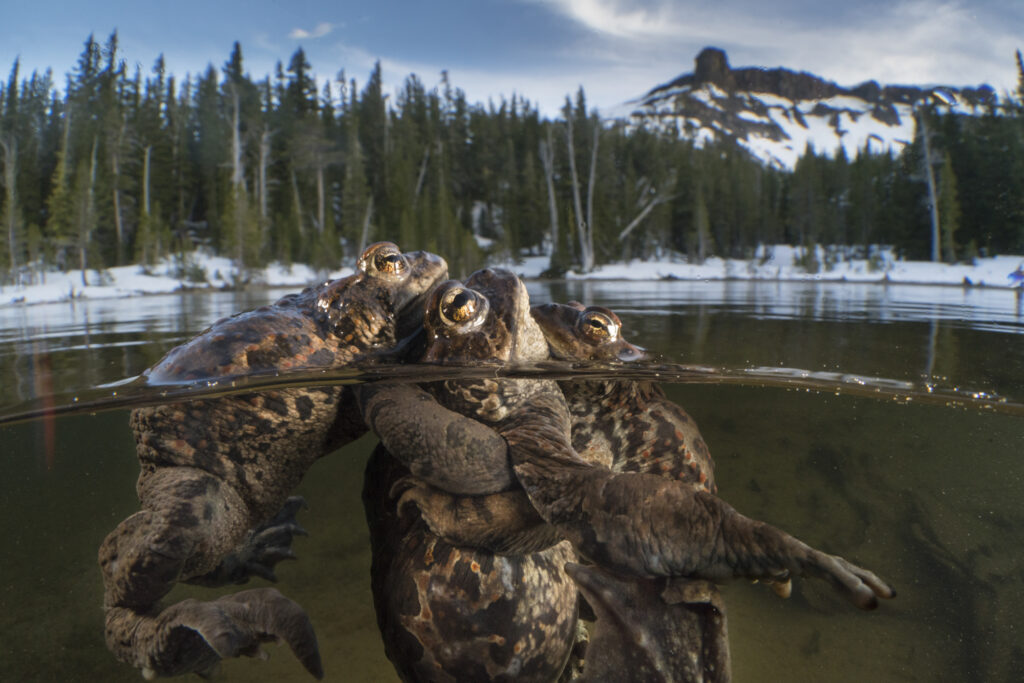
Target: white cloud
{"x": 626, "y": 48}
{"x": 620, "y": 19}
{"x": 321, "y": 30}
{"x": 903, "y": 41}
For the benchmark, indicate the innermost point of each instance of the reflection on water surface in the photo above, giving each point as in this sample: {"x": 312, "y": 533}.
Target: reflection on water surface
{"x": 927, "y": 496}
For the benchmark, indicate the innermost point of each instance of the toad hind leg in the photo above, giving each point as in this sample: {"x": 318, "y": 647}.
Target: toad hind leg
{"x": 194, "y": 636}
{"x": 189, "y": 521}
{"x": 648, "y": 526}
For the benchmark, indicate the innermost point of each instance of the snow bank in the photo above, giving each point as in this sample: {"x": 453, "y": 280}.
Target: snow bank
{"x": 778, "y": 262}
{"x": 201, "y": 271}
{"x": 783, "y": 262}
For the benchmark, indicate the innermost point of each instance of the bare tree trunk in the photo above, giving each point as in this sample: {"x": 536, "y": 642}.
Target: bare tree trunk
{"x": 590, "y": 197}
{"x": 240, "y": 214}
{"x": 660, "y": 199}
{"x": 85, "y": 220}
{"x": 148, "y": 249}
{"x": 298, "y": 202}
{"x": 115, "y": 168}
{"x": 320, "y": 198}
{"x": 237, "y": 171}
{"x": 548, "y": 161}
{"x": 118, "y": 226}
{"x": 264, "y": 161}
{"x": 367, "y": 217}
{"x": 581, "y": 228}
{"x": 421, "y": 178}
{"x": 145, "y": 179}
{"x": 929, "y": 174}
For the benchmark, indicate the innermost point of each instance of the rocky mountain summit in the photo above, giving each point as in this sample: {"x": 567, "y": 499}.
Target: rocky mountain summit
{"x": 777, "y": 113}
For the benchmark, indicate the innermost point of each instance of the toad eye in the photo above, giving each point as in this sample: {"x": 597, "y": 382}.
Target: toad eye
{"x": 385, "y": 260}
{"x": 598, "y": 328}
{"x": 462, "y": 307}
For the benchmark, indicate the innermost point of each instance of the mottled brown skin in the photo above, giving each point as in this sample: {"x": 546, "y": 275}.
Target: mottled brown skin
{"x": 448, "y": 611}
{"x": 653, "y": 630}
{"x": 631, "y": 523}
{"x": 626, "y": 426}
{"x": 632, "y": 427}
{"x": 214, "y": 471}
{"x": 644, "y": 525}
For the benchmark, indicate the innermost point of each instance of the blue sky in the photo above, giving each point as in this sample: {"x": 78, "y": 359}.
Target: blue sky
{"x": 543, "y": 49}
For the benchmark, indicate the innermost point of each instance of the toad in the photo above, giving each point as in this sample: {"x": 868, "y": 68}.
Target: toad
{"x": 216, "y": 473}
{"x": 450, "y": 611}
{"x": 628, "y": 426}
{"x": 675, "y": 628}
{"x": 631, "y": 523}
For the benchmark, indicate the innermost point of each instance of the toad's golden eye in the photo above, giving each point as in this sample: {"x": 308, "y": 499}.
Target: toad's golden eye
{"x": 460, "y": 307}
{"x": 383, "y": 259}
{"x": 598, "y": 328}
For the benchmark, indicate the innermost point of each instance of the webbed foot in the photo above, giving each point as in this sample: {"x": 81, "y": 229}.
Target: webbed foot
{"x": 762, "y": 552}
{"x": 861, "y": 586}
{"x": 194, "y": 636}
{"x": 262, "y": 549}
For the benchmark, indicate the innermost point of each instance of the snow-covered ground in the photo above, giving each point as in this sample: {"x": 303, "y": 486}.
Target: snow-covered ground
{"x": 778, "y": 262}
{"x": 127, "y": 281}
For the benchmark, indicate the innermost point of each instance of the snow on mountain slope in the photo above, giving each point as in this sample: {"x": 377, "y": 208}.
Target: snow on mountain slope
{"x": 777, "y": 113}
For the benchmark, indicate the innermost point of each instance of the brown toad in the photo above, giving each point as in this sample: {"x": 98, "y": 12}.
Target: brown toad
{"x": 449, "y": 611}
{"x": 627, "y": 426}
{"x": 632, "y": 523}
{"x": 213, "y": 470}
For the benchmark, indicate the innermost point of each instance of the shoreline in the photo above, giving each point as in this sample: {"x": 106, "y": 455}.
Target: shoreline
{"x": 776, "y": 265}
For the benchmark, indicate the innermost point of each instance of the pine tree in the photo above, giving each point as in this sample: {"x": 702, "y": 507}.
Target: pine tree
{"x": 211, "y": 151}
{"x": 84, "y": 218}
{"x": 241, "y": 221}
{"x": 59, "y": 206}
{"x": 373, "y": 135}
{"x": 11, "y": 220}
{"x": 356, "y": 201}
{"x": 114, "y": 138}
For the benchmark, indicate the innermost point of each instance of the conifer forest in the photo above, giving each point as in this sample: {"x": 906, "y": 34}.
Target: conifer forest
{"x": 117, "y": 166}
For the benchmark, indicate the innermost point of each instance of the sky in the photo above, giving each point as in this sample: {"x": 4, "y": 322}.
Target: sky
{"x": 541, "y": 49}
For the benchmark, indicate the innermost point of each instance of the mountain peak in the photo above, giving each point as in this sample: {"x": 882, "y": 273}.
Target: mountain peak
{"x": 712, "y": 66}
{"x": 777, "y": 112}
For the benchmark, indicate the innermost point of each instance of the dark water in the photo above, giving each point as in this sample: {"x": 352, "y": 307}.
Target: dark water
{"x": 926, "y": 495}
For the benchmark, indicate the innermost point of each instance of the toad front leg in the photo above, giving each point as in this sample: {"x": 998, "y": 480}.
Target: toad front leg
{"x": 447, "y": 450}
{"x": 462, "y": 480}
{"x": 262, "y": 549}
